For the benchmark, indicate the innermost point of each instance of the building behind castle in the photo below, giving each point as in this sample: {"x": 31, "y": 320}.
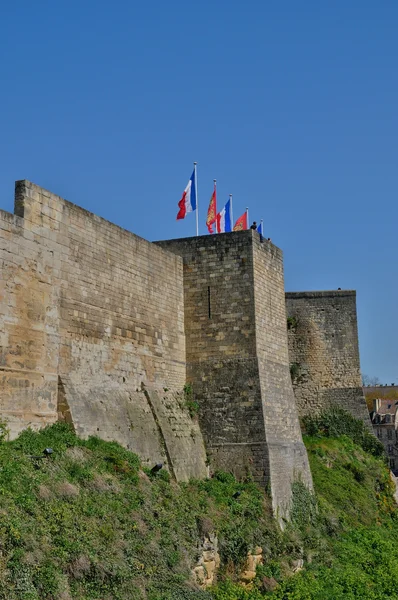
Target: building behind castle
{"x": 384, "y": 421}
{"x": 112, "y": 333}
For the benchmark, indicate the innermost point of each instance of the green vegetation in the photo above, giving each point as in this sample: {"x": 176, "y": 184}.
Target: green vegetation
{"x": 351, "y": 552}
{"x": 294, "y": 372}
{"x": 88, "y": 522}
{"x": 348, "y": 540}
{"x": 190, "y": 402}
{"x": 336, "y": 422}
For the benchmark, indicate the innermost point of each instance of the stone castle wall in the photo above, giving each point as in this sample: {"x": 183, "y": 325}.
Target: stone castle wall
{"x": 323, "y": 351}
{"x": 237, "y": 358}
{"x": 287, "y": 455}
{"x": 94, "y": 330}
{"x": 29, "y": 324}
{"x": 101, "y": 328}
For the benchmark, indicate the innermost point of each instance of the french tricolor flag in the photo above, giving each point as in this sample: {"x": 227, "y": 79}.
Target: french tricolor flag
{"x": 224, "y": 218}
{"x": 187, "y": 203}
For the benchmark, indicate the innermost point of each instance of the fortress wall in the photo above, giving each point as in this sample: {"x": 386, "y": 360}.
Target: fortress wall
{"x": 119, "y": 328}
{"x": 122, "y": 306}
{"x": 323, "y": 351}
{"x": 287, "y": 454}
{"x": 221, "y": 350}
{"x": 29, "y": 323}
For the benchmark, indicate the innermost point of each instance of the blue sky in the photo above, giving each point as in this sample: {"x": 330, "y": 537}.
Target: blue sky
{"x": 291, "y": 106}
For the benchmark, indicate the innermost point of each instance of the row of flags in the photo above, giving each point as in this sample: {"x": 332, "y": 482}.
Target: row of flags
{"x": 217, "y": 222}
{"x": 222, "y": 221}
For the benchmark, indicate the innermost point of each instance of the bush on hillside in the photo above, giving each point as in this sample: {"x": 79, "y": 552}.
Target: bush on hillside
{"x": 335, "y": 422}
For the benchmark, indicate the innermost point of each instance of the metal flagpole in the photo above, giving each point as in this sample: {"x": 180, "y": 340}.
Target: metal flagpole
{"x": 197, "y": 203}
{"x": 215, "y": 190}
{"x": 232, "y": 214}
{"x": 247, "y": 216}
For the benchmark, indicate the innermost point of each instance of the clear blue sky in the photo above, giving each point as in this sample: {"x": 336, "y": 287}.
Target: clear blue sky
{"x": 292, "y": 106}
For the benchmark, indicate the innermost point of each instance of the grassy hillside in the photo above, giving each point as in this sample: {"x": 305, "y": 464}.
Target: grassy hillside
{"x": 88, "y": 523}
{"x": 349, "y": 545}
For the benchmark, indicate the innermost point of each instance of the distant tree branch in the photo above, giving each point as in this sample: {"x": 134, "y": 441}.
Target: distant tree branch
{"x": 368, "y": 380}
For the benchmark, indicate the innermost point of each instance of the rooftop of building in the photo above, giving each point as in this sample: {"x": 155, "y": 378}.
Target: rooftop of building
{"x": 386, "y": 406}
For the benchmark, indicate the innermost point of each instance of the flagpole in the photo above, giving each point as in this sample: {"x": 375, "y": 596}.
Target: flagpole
{"x": 247, "y": 216}
{"x": 197, "y": 200}
{"x": 232, "y": 212}
{"x": 215, "y": 204}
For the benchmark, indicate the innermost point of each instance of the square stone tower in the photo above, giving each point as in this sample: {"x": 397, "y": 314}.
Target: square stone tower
{"x": 237, "y": 359}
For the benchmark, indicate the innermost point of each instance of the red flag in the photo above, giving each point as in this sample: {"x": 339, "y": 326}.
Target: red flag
{"x": 212, "y": 211}
{"x": 241, "y": 223}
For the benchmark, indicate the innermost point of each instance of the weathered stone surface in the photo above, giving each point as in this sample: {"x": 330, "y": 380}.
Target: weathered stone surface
{"x": 297, "y": 565}
{"x": 205, "y": 572}
{"x": 269, "y": 584}
{"x": 29, "y": 325}
{"x": 254, "y": 559}
{"x": 288, "y": 459}
{"x": 323, "y": 349}
{"x": 90, "y": 313}
{"x": 200, "y": 575}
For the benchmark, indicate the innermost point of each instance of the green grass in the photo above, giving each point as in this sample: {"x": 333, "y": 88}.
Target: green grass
{"x": 89, "y": 523}
{"x": 347, "y": 534}
{"x": 352, "y": 551}
{"x": 350, "y": 544}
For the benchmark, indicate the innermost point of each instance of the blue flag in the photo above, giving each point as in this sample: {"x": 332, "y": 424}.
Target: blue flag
{"x": 224, "y": 221}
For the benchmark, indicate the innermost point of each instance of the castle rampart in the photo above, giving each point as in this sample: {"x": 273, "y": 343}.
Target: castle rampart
{"x": 103, "y": 329}
{"x": 93, "y": 331}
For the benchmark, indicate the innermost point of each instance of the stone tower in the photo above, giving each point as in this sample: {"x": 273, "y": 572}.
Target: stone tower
{"x": 237, "y": 359}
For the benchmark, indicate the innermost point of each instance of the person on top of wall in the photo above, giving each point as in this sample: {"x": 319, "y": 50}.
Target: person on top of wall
{"x": 254, "y": 226}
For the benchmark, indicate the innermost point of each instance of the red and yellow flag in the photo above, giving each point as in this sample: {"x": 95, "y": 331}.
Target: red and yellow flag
{"x": 212, "y": 211}
{"x": 241, "y": 223}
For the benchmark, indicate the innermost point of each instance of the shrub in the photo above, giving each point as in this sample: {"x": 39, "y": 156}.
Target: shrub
{"x": 336, "y": 422}
{"x": 294, "y": 371}
{"x": 4, "y": 431}
{"x": 190, "y": 402}
{"x": 303, "y": 510}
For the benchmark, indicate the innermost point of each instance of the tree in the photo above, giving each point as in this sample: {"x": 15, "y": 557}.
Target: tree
{"x": 368, "y": 380}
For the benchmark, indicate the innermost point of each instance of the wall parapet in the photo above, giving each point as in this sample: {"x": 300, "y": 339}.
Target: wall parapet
{"x": 320, "y": 294}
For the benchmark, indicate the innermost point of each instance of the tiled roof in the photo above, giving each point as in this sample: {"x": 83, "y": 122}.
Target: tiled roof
{"x": 387, "y": 406}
